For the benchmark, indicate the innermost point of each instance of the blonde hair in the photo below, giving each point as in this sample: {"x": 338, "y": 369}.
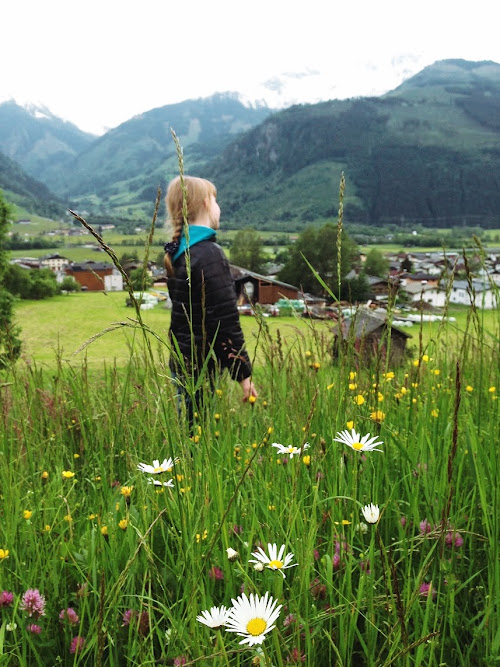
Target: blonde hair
{"x": 197, "y": 191}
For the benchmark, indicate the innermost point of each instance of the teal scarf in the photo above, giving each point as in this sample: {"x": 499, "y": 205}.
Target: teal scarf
{"x": 197, "y": 233}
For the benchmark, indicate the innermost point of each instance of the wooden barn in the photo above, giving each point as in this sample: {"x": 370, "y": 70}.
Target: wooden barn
{"x": 370, "y": 333}
{"x": 256, "y": 288}
{"x": 96, "y": 276}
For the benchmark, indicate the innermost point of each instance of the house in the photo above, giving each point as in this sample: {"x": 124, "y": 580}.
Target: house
{"x": 480, "y": 292}
{"x": 370, "y": 333}
{"x": 418, "y": 293}
{"x": 255, "y": 288}
{"x": 54, "y": 262}
{"x": 96, "y": 276}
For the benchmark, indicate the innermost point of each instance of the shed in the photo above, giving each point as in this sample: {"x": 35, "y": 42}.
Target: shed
{"x": 260, "y": 289}
{"x": 370, "y": 332}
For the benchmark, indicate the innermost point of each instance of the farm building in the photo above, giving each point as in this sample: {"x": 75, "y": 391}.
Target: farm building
{"x": 96, "y": 276}
{"x": 370, "y": 332}
{"x": 257, "y": 288}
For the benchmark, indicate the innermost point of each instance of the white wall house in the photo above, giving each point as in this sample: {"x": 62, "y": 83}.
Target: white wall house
{"x": 484, "y": 296}
{"x": 113, "y": 282}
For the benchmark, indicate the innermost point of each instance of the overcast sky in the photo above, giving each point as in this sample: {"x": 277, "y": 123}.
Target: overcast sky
{"x": 97, "y": 63}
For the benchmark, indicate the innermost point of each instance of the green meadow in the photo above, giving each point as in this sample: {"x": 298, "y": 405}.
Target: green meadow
{"x": 116, "y": 518}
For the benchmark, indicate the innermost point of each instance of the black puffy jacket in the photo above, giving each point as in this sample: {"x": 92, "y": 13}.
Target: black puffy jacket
{"x": 204, "y": 310}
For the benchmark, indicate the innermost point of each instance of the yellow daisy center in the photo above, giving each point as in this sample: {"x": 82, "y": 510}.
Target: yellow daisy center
{"x": 256, "y": 626}
{"x": 275, "y": 564}
{"x": 357, "y": 445}
{"x": 159, "y": 469}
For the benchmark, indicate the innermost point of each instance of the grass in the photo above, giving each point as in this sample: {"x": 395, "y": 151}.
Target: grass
{"x": 137, "y": 563}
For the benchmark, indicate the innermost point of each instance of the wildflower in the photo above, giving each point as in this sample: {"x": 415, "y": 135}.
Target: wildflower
{"x": 330, "y": 386}
{"x": 252, "y": 618}
{"x": 180, "y": 661}
{"x": 358, "y": 443}
{"x": 68, "y": 518}
{"x": 202, "y": 537}
{"x": 316, "y": 366}
{"x": 216, "y": 416}
{"x": 308, "y": 353}
{"x": 232, "y": 554}
{"x": 469, "y": 388}
{"x": 259, "y": 567}
{"x": 350, "y": 424}
{"x": 377, "y": 416}
{"x": 427, "y": 590}
{"x": 35, "y": 629}
{"x": 389, "y": 375}
{"x": 123, "y": 524}
{"x": 47, "y": 528}
{"x": 104, "y": 531}
{"x": 158, "y": 467}
{"x": 69, "y": 615}
{"x": 453, "y": 539}
{"x": 436, "y": 371}
{"x": 425, "y": 527}
{"x": 275, "y": 560}
{"x": 10, "y": 627}
{"x": 157, "y": 482}
{"x": 216, "y": 573}
{"x": 435, "y": 413}
{"x": 4, "y": 553}
{"x": 371, "y": 513}
{"x": 126, "y": 491}
{"x": 290, "y": 449}
{"x": 352, "y": 386}
{"x": 252, "y": 399}
{"x": 359, "y": 399}
{"x": 77, "y": 644}
{"x": 215, "y": 618}
{"x": 6, "y": 599}
{"x": 492, "y": 390}
{"x": 306, "y": 460}
{"x": 67, "y": 474}
{"x": 27, "y": 514}
{"x": 45, "y": 475}
{"x": 33, "y": 603}
{"x": 361, "y": 527}
{"x": 344, "y": 522}
{"x": 352, "y": 375}
{"x": 218, "y": 392}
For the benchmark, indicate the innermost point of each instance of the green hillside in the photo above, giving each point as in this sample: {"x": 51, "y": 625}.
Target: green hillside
{"x": 26, "y": 192}
{"x": 428, "y": 152}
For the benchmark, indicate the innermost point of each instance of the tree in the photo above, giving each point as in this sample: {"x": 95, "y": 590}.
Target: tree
{"x": 247, "y": 251}
{"x": 139, "y": 280}
{"x": 10, "y": 343}
{"x": 319, "y": 248}
{"x": 69, "y": 284}
{"x": 376, "y": 264}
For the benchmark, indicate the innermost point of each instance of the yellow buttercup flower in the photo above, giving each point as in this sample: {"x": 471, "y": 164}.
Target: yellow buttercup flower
{"x": 353, "y": 386}
{"x": 4, "y": 553}
{"x": 45, "y": 475}
{"x": 350, "y": 424}
{"x": 352, "y": 375}
{"x": 123, "y": 524}
{"x": 492, "y": 390}
{"x": 252, "y": 399}
{"x": 126, "y": 491}
{"x": 359, "y": 399}
{"x": 67, "y": 474}
{"x": 306, "y": 460}
{"x": 435, "y": 413}
{"x": 377, "y": 416}
{"x": 330, "y": 386}
{"x": 469, "y": 388}
{"x": 104, "y": 531}
{"x": 27, "y": 514}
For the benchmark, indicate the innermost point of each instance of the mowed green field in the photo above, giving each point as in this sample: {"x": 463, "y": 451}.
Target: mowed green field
{"x": 63, "y": 324}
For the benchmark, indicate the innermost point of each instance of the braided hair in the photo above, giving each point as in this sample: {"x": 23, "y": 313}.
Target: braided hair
{"x": 188, "y": 202}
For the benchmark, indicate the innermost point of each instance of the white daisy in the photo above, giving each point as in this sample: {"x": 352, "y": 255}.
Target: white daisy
{"x": 358, "y": 443}
{"x": 289, "y": 449}
{"x": 215, "y": 618}
{"x": 232, "y": 554}
{"x": 371, "y": 513}
{"x": 252, "y": 618}
{"x": 157, "y": 482}
{"x": 275, "y": 560}
{"x": 157, "y": 467}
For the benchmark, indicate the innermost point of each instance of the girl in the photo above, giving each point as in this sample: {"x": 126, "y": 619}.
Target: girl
{"x": 205, "y": 320}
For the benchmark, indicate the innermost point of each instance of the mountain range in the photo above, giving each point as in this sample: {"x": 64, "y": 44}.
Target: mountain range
{"x": 426, "y": 152}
